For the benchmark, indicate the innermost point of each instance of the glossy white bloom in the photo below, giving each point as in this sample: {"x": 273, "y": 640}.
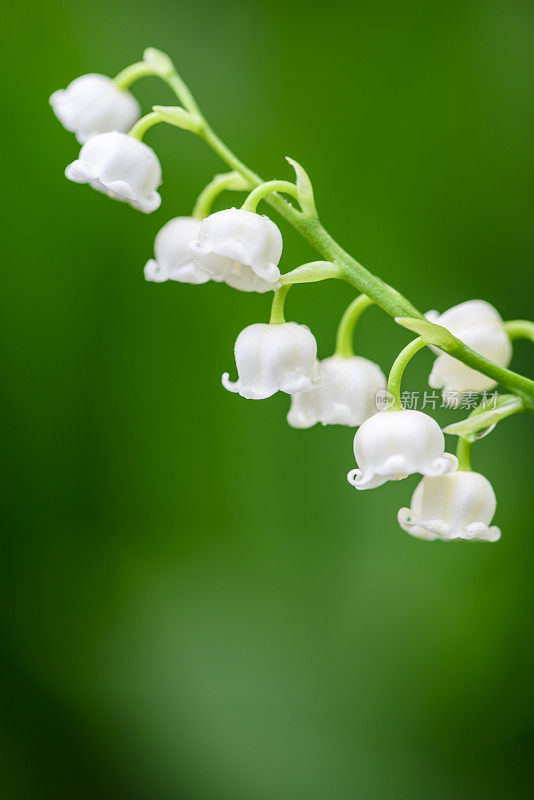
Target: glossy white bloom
{"x": 457, "y": 506}
{"x": 94, "y": 104}
{"x": 394, "y": 444}
{"x": 173, "y": 260}
{"x": 240, "y": 248}
{"x": 479, "y": 326}
{"x": 344, "y": 393}
{"x": 121, "y": 167}
{"x": 272, "y": 358}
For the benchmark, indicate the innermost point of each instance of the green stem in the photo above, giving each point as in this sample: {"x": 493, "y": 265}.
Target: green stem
{"x": 277, "y": 308}
{"x": 463, "y": 453}
{"x": 389, "y": 299}
{"x": 520, "y": 329}
{"x": 127, "y": 76}
{"x": 220, "y": 183}
{"x": 345, "y": 331}
{"x": 397, "y": 370}
{"x": 181, "y": 90}
{"x": 142, "y": 125}
{"x": 270, "y": 187}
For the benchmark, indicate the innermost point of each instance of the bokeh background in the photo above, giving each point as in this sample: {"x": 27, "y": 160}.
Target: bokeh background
{"x": 195, "y": 603}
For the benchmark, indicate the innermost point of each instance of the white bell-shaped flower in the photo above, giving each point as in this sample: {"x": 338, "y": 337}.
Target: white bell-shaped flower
{"x": 173, "y": 260}
{"x": 394, "y": 444}
{"x": 94, "y": 104}
{"x": 344, "y": 393}
{"x": 120, "y": 166}
{"x": 478, "y": 325}
{"x": 457, "y": 506}
{"x": 240, "y": 248}
{"x": 272, "y": 358}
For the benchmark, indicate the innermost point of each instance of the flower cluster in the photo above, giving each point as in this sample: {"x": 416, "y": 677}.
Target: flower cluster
{"x": 241, "y": 248}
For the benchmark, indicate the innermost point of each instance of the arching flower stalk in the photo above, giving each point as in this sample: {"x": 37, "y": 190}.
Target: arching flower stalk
{"x": 243, "y": 249}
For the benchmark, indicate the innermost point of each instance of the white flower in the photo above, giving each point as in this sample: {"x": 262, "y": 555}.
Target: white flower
{"x": 344, "y": 393}
{"x": 94, "y": 104}
{"x": 240, "y": 248}
{"x": 272, "y": 358}
{"x": 173, "y": 260}
{"x": 457, "y": 506}
{"x": 394, "y": 444}
{"x": 478, "y": 325}
{"x": 121, "y": 167}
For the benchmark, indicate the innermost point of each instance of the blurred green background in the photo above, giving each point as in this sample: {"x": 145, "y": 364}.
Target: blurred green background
{"x": 195, "y": 603}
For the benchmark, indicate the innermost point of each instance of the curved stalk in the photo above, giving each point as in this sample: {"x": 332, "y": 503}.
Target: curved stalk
{"x": 389, "y": 299}
{"x": 270, "y": 187}
{"x": 463, "y": 454}
{"x": 345, "y": 331}
{"x": 142, "y": 125}
{"x": 130, "y": 74}
{"x": 397, "y": 370}
{"x": 228, "y": 181}
{"x": 277, "y": 307}
{"x": 520, "y": 329}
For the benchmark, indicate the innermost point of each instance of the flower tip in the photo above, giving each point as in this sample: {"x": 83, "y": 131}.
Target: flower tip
{"x": 443, "y": 466}
{"x": 494, "y": 534}
{"x": 232, "y": 386}
{"x": 152, "y": 272}
{"x": 355, "y": 478}
{"x": 55, "y": 96}
{"x": 77, "y": 172}
{"x": 150, "y": 205}
{"x": 404, "y": 518}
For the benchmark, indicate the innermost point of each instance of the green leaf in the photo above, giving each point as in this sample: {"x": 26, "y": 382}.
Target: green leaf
{"x": 486, "y": 417}
{"x": 304, "y": 188}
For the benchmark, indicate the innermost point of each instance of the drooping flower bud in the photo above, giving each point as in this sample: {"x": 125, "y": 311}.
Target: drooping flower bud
{"x": 394, "y": 444}
{"x": 272, "y": 358}
{"x": 457, "y": 506}
{"x": 478, "y": 325}
{"x": 240, "y": 248}
{"x": 121, "y": 167}
{"x": 173, "y": 260}
{"x": 344, "y": 393}
{"x": 94, "y": 104}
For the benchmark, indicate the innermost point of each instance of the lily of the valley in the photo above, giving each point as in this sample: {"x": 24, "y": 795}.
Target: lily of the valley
{"x": 272, "y": 358}
{"x": 240, "y": 248}
{"x": 94, "y": 104}
{"x": 457, "y": 506}
{"x": 478, "y": 325}
{"x": 394, "y": 444}
{"x": 173, "y": 260}
{"x": 121, "y": 167}
{"x": 344, "y": 393}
